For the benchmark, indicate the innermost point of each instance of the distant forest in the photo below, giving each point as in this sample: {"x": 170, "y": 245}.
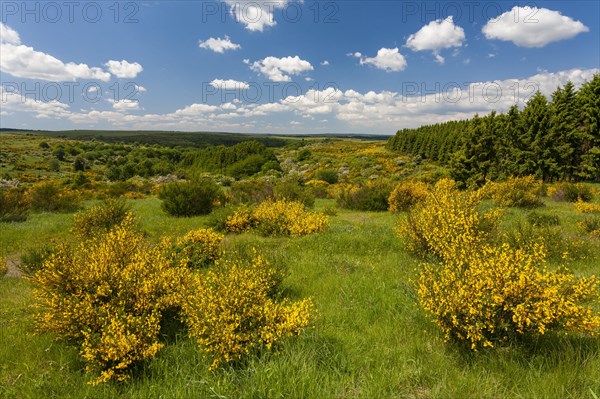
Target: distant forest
{"x": 552, "y": 140}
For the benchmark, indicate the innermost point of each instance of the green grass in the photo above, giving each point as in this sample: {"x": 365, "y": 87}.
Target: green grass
{"x": 371, "y": 339}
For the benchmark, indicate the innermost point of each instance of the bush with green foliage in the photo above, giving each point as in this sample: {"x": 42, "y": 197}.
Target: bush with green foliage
{"x": 198, "y": 248}
{"x": 251, "y": 191}
{"x": 406, "y": 194}
{"x": 516, "y": 191}
{"x": 542, "y": 219}
{"x": 33, "y": 259}
{"x": 571, "y": 192}
{"x": 100, "y": 219}
{"x": 329, "y": 175}
{"x": 291, "y": 190}
{"x": 14, "y": 205}
{"x": 372, "y": 196}
{"x": 50, "y": 197}
{"x": 190, "y": 198}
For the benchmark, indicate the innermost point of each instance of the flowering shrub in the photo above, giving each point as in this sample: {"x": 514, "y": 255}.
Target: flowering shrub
{"x": 372, "y": 196}
{"x": 447, "y": 222}
{"x": 100, "y": 218}
{"x": 490, "y": 295}
{"x": 516, "y": 191}
{"x": 3, "y": 266}
{"x": 591, "y": 224}
{"x": 586, "y": 207}
{"x": 240, "y": 221}
{"x": 406, "y": 194}
{"x": 108, "y": 295}
{"x": 14, "y": 205}
{"x": 199, "y": 248}
{"x": 50, "y": 197}
{"x": 230, "y": 313}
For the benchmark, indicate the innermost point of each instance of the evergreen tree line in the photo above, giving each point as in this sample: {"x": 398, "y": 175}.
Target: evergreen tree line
{"x": 552, "y": 140}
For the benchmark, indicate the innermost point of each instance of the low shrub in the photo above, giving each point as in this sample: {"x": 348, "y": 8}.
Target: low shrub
{"x": 50, "y": 197}
{"x": 14, "y": 205}
{"x": 240, "y": 221}
{"x": 100, "y": 219}
{"x": 570, "y": 192}
{"x": 252, "y": 191}
{"x": 586, "y": 207}
{"x": 406, "y": 194}
{"x": 328, "y": 175}
{"x": 217, "y": 220}
{"x": 108, "y": 295}
{"x": 3, "y": 266}
{"x": 591, "y": 224}
{"x": 493, "y": 295}
{"x": 198, "y": 248}
{"x": 372, "y": 196}
{"x": 190, "y": 198}
{"x": 230, "y": 313}
{"x": 542, "y": 220}
{"x": 516, "y": 191}
{"x": 293, "y": 191}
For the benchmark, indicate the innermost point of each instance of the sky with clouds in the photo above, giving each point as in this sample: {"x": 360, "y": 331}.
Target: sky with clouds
{"x": 282, "y": 66}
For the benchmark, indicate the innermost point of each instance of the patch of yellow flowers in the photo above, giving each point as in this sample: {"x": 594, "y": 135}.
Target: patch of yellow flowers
{"x": 406, "y": 194}
{"x": 110, "y": 294}
{"x": 515, "y": 191}
{"x": 482, "y": 294}
{"x": 3, "y": 266}
{"x": 229, "y": 326}
{"x": 278, "y": 218}
{"x": 586, "y": 207}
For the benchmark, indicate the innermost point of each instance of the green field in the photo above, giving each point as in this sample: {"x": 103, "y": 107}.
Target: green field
{"x": 371, "y": 339}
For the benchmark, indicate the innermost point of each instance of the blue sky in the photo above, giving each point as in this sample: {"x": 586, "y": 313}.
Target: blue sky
{"x": 284, "y": 66}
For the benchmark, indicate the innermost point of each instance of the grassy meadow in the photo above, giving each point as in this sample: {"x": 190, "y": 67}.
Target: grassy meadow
{"x": 371, "y": 338}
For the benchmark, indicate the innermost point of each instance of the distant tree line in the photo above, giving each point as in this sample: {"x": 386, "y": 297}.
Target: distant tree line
{"x": 552, "y": 140}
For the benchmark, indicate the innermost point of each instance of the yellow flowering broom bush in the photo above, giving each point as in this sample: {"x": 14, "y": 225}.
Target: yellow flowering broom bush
{"x": 516, "y": 191}
{"x": 278, "y": 218}
{"x": 3, "y": 266}
{"x": 230, "y": 312}
{"x": 495, "y": 293}
{"x": 447, "y": 222}
{"x": 108, "y": 295}
{"x": 199, "y": 248}
{"x": 480, "y": 294}
{"x": 406, "y": 194}
{"x": 99, "y": 219}
{"x": 586, "y": 207}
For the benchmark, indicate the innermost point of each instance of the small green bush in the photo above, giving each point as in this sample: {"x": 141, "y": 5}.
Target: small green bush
{"x": 190, "y": 198}
{"x": 293, "y": 191}
{"x": 13, "y": 205}
{"x": 541, "y": 219}
{"x": 252, "y": 191}
{"x": 50, "y": 197}
{"x": 217, "y": 220}
{"x": 328, "y": 175}
{"x": 591, "y": 224}
{"x": 33, "y": 259}
{"x": 571, "y": 192}
{"x": 100, "y": 218}
{"x": 372, "y": 196}
{"x": 406, "y": 194}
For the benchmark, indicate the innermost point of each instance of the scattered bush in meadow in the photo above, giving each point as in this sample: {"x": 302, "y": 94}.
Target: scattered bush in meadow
{"x": 542, "y": 220}
{"x": 199, "y": 248}
{"x": 406, "y": 194}
{"x": 591, "y": 224}
{"x": 50, "y": 197}
{"x": 3, "y": 266}
{"x": 516, "y": 191}
{"x": 372, "y": 196}
{"x": 190, "y": 198}
{"x": 328, "y": 175}
{"x": 447, "y": 222}
{"x": 14, "y": 205}
{"x": 570, "y": 192}
{"x": 586, "y": 207}
{"x": 319, "y": 188}
{"x": 217, "y": 220}
{"x": 251, "y": 191}
{"x": 108, "y": 295}
{"x": 230, "y": 313}
{"x": 100, "y": 219}
{"x": 240, "y": 221}
{"x": 492, "y": 295}
{"x": 291, "y": 190}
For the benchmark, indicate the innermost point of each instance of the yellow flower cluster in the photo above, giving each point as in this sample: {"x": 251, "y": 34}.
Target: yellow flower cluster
{"x": 199, "y": 248}
{"x": 447, "y": 222}
{"x": 495, "y": 293}
{"x": 278, "y": 218}
{"x": 100, "y": 219}
{"x": 230, "y": 313}
{"x": 481, "y": 294}
{"x": 515, "y": 191}
{"x": 406, "y": 194}
{"x": 3, "y": 266}
{"x": 108, "y": 294}
{"x": 587, "y": 207}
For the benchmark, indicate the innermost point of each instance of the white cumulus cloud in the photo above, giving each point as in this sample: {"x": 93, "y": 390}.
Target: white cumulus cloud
{"x": 388, "y": 59}
{"x": 124, "y": 69}
{"x": 229, "y": 84}
{"x": 256, "y": 14}
{"x": 532, "y": 27}
{"x": 219, "y": 45}
{"x": 279, "y": 69}
{"x": 436, "y": 36}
